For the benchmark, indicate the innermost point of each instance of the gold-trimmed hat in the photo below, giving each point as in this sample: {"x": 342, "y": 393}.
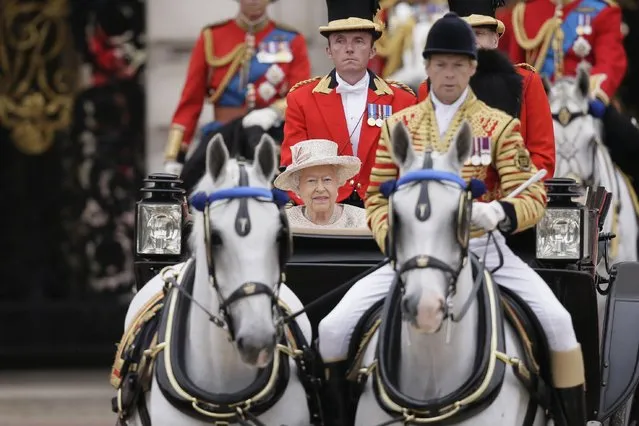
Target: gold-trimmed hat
{"x": 352, "y": 15}
{"x": 479, "y": 13}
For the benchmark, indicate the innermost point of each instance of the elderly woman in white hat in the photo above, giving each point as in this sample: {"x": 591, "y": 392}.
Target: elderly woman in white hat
{"x": 315, "y": 175}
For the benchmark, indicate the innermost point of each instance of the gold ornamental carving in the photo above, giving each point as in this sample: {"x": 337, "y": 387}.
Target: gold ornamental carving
{"x": 36, "y": 80}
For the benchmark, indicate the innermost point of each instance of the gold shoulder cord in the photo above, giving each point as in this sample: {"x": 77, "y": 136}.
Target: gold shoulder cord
{"x": 235, "y": 58}
{"x": 542, "y": 40}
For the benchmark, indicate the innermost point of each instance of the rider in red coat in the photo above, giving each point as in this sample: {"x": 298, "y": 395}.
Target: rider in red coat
{"x": 242, "y": 65}
{"x": 349, "y": 104}
{"x": 517, "y": 90}
{"x": 591, "y": 31}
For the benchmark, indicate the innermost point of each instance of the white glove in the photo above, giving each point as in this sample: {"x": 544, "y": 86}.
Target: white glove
{"x": 264, "y": 117}
{"x": 173, "y": 167}
{"x": 487, "y": 215}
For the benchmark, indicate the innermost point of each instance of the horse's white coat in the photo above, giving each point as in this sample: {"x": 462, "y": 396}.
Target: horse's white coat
{"x": 430, "y": 368}
{"x": 582, "y": 155}
{"x": 214, "y": 363}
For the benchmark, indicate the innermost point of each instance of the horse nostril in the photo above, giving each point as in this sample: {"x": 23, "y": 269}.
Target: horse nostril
{"x": 240, "y": 343}
{"x": 409, "y": 306}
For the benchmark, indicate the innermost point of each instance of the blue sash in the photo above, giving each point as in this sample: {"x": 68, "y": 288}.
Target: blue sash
{"x": 233, "y": 95}
{"x": 590, "y": 8}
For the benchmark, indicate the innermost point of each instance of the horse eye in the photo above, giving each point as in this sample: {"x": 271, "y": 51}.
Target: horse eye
{"x": 216, "y": 238}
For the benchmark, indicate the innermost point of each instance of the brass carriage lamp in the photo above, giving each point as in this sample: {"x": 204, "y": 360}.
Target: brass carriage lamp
{"x": 160, "y": 214}
{"x": 560, "y": 233}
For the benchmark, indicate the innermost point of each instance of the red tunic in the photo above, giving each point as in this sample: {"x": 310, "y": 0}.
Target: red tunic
{"x": 315, "y": 111}
{"x": 607, "y": 54}
{"x": 536, "y": 119}
{"x": 214, "y": 72}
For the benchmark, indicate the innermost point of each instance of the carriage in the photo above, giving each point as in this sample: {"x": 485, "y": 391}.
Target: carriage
{"x": 566, "y": 250}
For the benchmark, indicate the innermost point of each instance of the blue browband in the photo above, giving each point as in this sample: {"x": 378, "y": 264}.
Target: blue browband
{"x": 199, "y": 200}
{"x": 476, "y": 186}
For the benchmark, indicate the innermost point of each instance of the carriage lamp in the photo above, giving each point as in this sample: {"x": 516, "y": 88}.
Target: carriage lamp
{"x": 560, "y": 233}
{"x": 159, "y": 216}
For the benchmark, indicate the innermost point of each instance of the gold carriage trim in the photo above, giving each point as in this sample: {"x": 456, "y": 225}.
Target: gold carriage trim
{"x": 427, "y": 417}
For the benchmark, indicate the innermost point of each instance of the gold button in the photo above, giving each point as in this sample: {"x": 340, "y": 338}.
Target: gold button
{"x": 359, "y": 185}
{"x": 352, "y": 182}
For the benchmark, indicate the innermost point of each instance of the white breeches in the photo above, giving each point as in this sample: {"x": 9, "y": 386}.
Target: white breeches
{"x": 336, "y": 328}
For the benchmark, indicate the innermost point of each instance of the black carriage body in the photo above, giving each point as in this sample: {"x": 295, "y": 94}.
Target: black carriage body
{"x": 323, "y": 262}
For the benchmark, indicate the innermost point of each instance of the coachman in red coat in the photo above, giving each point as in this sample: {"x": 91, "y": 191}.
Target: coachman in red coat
{"x": 349, "y": 104}
{"x": 242, "y": 65}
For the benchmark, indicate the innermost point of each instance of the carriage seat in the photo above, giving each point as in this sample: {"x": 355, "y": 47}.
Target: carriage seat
{"x": 534, "y": 371}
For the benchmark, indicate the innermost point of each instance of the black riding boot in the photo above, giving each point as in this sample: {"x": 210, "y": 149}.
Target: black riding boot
{"x": 336, "y": 406}
{"x": 573, "y": 404}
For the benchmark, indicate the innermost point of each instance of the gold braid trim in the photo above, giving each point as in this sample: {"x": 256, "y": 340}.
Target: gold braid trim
{"x": 303, "y": 82}
{"x": 401, "y": 86}
{"x": 237, "y": 62}
{"x": 526, "y": 66}
{"x": 541, "y": 40}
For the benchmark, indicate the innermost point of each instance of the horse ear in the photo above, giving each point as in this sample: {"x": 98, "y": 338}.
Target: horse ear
{"x": 460, "y": 150}
{"x": 265, "y": 158}
{"x": 216, "y": 157}
{"x": 402, "y": 150}
{"x": 583, "y": 81}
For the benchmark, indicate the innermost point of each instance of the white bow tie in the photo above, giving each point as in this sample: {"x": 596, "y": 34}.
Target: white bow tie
{"x": 347, "y": 88}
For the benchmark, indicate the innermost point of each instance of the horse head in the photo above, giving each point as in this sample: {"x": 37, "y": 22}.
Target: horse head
{"x": 577, "y": 136}
{"x": 239, "y": 237}
{"x": 430, "y": 226}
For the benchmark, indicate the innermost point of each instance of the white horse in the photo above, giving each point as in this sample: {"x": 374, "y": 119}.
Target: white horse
{"x": 582, "y": 155}
{"x": 243, "y": 252}
{"x": 434, "y": 363}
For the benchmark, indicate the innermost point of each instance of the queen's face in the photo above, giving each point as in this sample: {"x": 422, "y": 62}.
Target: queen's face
{"x": 318, "y": 189}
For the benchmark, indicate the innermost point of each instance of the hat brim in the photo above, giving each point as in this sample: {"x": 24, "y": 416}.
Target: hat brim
{"x": 351, "y": 24}
{"x": 480, "y": 20}
{"x": 429, "y": 52}
{"x": 347, "y": 167}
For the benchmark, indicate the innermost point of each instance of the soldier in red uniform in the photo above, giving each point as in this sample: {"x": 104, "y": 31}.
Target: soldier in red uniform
{"x": 517, "y": 90}
{"x": 244, "y": 66}
{"x": 349, "y": 104}
{"x": 556, "y": 36}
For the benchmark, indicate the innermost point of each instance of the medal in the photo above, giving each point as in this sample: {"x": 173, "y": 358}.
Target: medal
{"x": 379, "y": 120}
{"x": 475, "y": 159}
{"x": 485, "y": 151}
{"x": 371, "y": 115}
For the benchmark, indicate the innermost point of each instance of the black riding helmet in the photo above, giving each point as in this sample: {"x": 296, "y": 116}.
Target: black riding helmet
{"x": 451, "y": 34}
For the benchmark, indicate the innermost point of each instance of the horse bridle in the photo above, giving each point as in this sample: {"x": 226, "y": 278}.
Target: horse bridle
{"x": 422, "y": 212}
{"x": 564, "y": 118}
{"x": 202, "y": 202}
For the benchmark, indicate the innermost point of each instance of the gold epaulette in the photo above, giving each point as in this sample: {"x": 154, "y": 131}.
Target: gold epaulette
{"x": 526, "y": 66}
{"x": 611, "y": 3}
{"x": 304, "y": 82}
{"x": 401, "y": 85}
{"x": 285, "y": 27}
